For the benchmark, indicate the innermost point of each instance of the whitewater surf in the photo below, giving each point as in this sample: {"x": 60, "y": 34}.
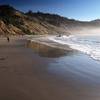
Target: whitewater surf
{"x": 88, "y": 44}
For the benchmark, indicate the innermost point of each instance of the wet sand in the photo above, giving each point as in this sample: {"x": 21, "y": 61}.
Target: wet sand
{"x": 28, "y": 74}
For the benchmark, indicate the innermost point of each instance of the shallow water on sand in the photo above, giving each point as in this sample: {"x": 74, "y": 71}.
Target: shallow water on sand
{"x": 49, "y": 52}
{"x": 74, "y": 62}
{"x": 75, "y": 74}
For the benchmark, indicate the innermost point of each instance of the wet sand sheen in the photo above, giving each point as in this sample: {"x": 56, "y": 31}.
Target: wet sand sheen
{"x": 26, "y": 75}
{"x": 48, "y": 51}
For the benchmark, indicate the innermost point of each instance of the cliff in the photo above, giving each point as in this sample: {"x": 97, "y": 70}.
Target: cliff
{"x": 14, "y": 22}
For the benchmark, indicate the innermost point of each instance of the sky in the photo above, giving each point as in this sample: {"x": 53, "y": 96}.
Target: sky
{"x": 84, "y": 10}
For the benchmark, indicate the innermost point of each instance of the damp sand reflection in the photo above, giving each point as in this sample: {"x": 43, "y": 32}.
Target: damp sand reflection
{"x": 48, "y": 51}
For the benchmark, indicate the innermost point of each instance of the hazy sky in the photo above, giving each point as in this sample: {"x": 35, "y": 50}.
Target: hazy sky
{"x": 77, "y": 9}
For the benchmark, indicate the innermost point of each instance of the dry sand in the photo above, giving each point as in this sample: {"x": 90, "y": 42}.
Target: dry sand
{"x": 24, "y": 76}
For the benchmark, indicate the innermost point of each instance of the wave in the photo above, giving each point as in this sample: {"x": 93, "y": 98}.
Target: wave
{"x": 89, "y": 45}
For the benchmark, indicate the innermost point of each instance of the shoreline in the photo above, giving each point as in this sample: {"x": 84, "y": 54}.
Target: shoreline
{"x": 45, "y": 41}
{"x": 25, "y": 75}
{"x": 71, "y": 44}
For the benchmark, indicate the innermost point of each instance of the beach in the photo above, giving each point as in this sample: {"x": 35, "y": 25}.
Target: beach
{"x": 34, "y": 71}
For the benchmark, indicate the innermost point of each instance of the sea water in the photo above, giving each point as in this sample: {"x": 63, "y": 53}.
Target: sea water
{"x": 88, "y": 44}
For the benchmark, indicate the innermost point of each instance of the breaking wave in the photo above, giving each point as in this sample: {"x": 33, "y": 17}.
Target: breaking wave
{"x": 87, "y": 44}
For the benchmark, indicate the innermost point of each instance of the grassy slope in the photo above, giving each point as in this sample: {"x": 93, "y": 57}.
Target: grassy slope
{"x": 13, "y": 21}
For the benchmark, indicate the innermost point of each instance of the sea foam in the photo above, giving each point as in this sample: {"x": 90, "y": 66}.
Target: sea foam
{"x": 89, "y": 45}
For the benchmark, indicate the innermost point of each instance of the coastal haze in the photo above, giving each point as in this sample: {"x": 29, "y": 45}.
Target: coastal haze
{"x": 15, "y": 22}
{"x": 49, "y": 50}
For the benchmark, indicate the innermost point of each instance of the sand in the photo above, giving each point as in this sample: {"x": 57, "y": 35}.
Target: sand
{"x": 26, "y": 75}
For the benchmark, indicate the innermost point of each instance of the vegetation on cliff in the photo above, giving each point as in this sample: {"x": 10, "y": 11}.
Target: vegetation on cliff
{"x": 15, "y": 22}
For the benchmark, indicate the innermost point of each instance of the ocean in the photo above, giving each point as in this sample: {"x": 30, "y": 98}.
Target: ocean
{"x": 88, "y": 44}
